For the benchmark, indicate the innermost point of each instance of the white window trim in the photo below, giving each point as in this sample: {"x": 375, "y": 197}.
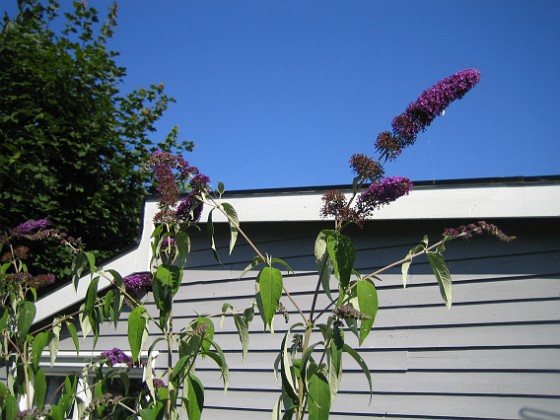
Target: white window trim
{"x": 69, "y": 362}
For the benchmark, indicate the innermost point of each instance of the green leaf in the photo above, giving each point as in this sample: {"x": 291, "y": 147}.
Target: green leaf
{"x": 243, "y": 330}
{"x": 90, "y": 312}
{"x": 183, "y": 244}
{"x": 178, "y": 369}
{"x": 270, "y": 290}
{"x": 195, "y": 397}
{"x": 39, "y": 388}
{"x": 220, "y": 360}
{"x": 356, "y": 356}
{"x": 170, "y": 275}
{"x": 73, "y": 333}
{"x": 408, "y": 259}
{"x": 286, "y": 371}
{"x": 342, "y": 254}
{"x": 437, "y": 262}
{"x": 210, "y": 233}
{"x": 368, "y": 304}
{"x": 319, "y": 400}
{"x": 233, "y": 220}
{"x": 39, "y": 343}
{"x": 334, "y": 360}
{"x": 208, "y": 332}
{"x": 26, "y": 314}
{"x": 10, "y": 407}
{"x": 254, "y": 263}
{"x": 137, "y": 333}
{"x": 54, "y": 339}
{"x": 322, "y": 260}
{"x": 241, "y": 324}
{"x": 125, "y": 380}
{"x": 4, "y": 318}
{"x": 117, "y": 278}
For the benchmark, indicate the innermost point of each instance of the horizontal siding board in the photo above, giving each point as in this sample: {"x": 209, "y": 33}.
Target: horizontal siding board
{"x": 419, "y": 290}
{"x": 498, "y": 359}
{"x": 536, "y": 384}
{"x": 419, "y": 405}
{"x": 465, "y": 336}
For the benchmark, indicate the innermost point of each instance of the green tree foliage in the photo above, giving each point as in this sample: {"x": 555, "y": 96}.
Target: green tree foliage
{"x": 71, "y": 143}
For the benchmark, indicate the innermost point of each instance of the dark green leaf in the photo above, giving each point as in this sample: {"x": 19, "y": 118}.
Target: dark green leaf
{"x": 170, "y": 276}
{"x": 322, "y": 260}
{"x": 39, "y": 388}
{"x": 342, "y": 254}
{"x": 73, "y": 333}
{"x": 270, "y": 290}
{"x": 408, "y": 259}
{"x": 437, "y": 262}
{"x": 368, "y": 304}
{"x": 233, "y": 224}
{"x": 210, "y": 233}
{"x": 39, "y": 343}
{"x": 356, "y": 356}
{"x": 334, "y": 360}
{"x": 319, "y": 397}
{"x": 137, "y": 331}
{"x": 195, "y": 397}
{"x": 26, "y": 314}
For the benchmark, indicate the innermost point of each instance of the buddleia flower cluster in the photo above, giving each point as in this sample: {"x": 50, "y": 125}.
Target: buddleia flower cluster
{"x": 422, "y": 112}
{"x": 174, "y": 174}
{"x": 16, "y": 251}
{"x": 138, "y": 281}
{"x": 115, "y": 356}
{"x": 389, "y": 144}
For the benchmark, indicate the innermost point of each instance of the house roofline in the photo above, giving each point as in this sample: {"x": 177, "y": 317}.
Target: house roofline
{"x": 424, "y": 184}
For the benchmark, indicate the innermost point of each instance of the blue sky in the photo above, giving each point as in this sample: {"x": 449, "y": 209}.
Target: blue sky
{"x": 282, "y": 93}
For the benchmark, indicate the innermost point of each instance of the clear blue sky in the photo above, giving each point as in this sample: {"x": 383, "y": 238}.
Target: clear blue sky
{"x": 281, "y": 93}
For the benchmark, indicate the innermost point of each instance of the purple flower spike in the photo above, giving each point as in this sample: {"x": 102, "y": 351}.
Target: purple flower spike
{"x": 138, "y": 281}
{"x": 30, "y": 227}
{"x": 383, "y": 192}
{"x": 420, "y": 114}
{"x": 115, "y": 356}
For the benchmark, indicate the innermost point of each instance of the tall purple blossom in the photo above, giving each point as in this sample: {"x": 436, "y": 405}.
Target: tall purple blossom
{"x": 164, "y": 163}
{"x": 30, "y": 227}
{"x": 190, "y": 209}
{"x": 383, "y": 192}
{"x": 420, "y": 114}
{"x": 138, "y": 281}
{"x": 115, "y": 356}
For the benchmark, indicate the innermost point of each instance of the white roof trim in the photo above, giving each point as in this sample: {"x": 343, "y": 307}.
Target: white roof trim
{"x": 447, "y": 202}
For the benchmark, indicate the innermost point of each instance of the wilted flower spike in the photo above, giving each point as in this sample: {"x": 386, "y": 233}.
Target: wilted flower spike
{"x": 348, "y": 312}
{"x": 388, "y": 145}
{"x": 334, "y": 201}
{"x": 40, "y": 280}
{"x": 479, "y": 228}
{"x": 365, "y": 167}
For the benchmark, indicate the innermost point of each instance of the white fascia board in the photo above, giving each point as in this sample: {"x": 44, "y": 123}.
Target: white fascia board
{"x": 447, "y": 202}
{"x": 136, "y": 260}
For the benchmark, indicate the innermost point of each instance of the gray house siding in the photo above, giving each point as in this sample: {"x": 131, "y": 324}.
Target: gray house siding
{"x": 494, "y": 355}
